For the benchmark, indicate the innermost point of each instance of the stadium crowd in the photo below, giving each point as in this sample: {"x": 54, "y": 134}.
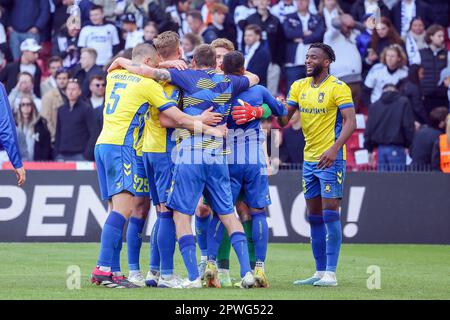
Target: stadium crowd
{"x": 398, "y": 67}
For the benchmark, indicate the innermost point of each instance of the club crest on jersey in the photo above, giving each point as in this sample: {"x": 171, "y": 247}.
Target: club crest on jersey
{"x": 303, "y": 96}
{"x": 321, "y": 97}
{"x": 327, "y": 188}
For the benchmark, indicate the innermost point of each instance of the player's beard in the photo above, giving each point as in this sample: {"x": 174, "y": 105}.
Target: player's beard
{"x": 316, "y": 71}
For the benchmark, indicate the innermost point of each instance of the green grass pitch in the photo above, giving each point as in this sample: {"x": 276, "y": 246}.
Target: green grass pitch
{"x": 38, "y": 271}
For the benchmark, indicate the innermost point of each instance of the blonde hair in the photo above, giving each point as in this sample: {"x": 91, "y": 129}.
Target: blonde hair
{"x": 223, "y": 43}
{"x": 20, "y": 120}
{"x": 400, "y": 52}
{"x": 167, "y": 43}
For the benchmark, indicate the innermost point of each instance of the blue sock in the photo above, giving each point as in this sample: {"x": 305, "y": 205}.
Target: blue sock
{"x": 111, "y": 238}
{"x": 215, "y": 235}
{"x": 334, "y": 238}
{"x": 134, "y": 242}
{"x": 115, "y": 265}
{"x": 239, "y": 243}
{"x": 187, "y": 248}
{"x": 201, "y": 231}
{"x": 318, "y": 241}
{"x": 166, "y": 242}
{"x": 154, "y": 251}
{"x": 260, "y": 235}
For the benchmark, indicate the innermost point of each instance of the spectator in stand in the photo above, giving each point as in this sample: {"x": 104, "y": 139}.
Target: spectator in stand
{"x": 65, "y": 45}
{"x": 27, "y": 63}
{"x": 28, "y": 19}
{"x": 272, "y": 38}
{"x": 33, "y": 129}
{"x": 341, "y": 36}
{"x": 241, "y": 14}
{"x": 5, "y": 53}
{"x": 365, "y": 37}
{"x": 329, "y": 9}
{"x": 363, "y": 7}
{"x": 195, "y": 22}
{"x": 445, "y": 80}
{"x": 410, "y": 88}
{"x": 54, "y": 63}
{"x": 102, "y": 37}
{"x": 24, "y": 87}
{"x": 133, "y": 35}
{"x": 415, "y": 40}
{"x": 390, "y": 128}
{"x": 434, "y": 59}
{"x": 109, "y": 9}
{"x": 440, "y": 159}
{"x": 301, "y": 28}
{"x": 86, "y": 69}
{"x": 390, "y": 70}
{"x": 291, "y": 149}
{"x": 97, "y": 87}
{"x": 75, "y": 127}
{"x": 53, "y": 100}
{"x": 404, "y": 12}
{"x": 206, "y": 11}
{"x": 384, "y": 36}
{"x": 257, "y": 57}
{"x": 217, "y": 28}
{"x": 189, "y": 42}
{"x": 150, "y": 32}
{"x": 283, "y": 8}
{"x": 62, "y": 13}
{"x": 178, "y": 13}
{"x": 139, "y": 8}
{"x": 422, "y": 146}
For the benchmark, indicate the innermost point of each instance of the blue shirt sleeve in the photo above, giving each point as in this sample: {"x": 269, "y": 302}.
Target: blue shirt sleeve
{"x": 275, "y": 106}
{"x": 8, "y": 135}
{"x": 182, "y": 78}
{"x": 239, "y": 83}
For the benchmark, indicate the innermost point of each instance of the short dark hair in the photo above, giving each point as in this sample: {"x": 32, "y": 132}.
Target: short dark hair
{"x": 205, "y": 56}
{"x": 54, "y": 59}
{"x": 431, "y": 31}
{"x": 325, "y": 48}
{"x": 96, "y": 7}
{"x": 61, "y": 71}
{"x": 255, "y": 28}
{"x": 96, "y": 77}
{"x": 438, "y": 115}
{"x": 195, "y": 14}
{"x": 233, "y": 62}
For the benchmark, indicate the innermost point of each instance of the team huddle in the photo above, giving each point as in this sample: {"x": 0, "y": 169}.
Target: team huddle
{"x": 190, "y": 140}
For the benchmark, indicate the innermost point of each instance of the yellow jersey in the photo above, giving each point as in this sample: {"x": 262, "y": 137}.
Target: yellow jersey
{"x": 156, "y": 138}
{"x": 320, "y": 117}
{"x": 127, "y": 98}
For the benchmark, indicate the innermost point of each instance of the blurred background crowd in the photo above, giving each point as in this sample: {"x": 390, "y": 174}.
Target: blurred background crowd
{"x": 393, "y": 54}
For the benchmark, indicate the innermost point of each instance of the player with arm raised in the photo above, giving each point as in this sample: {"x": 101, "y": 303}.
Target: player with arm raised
{"x": 328, "y": 120}
{"x": 128, "y": 96}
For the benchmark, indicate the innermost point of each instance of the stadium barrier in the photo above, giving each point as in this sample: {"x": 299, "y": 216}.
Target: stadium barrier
{"x": 64, "y": 205}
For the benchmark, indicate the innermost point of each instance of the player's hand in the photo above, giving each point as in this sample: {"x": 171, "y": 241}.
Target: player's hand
{"x": 177, "y": 64}
{"x": 116, "y": 64}
{"x": 219, "y": 131}
{"x": 327, "y": 158}
{"x": 246, "y": 113}
{"x": 20, "y": 174}
{"x": 210, "y": 118}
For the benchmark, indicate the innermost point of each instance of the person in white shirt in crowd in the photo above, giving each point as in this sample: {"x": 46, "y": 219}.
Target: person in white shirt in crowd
{"x": 341, "y": 36}
{"x": 390, "y": 70}
{"x": 150, "y": 32}
{"x": 283, "y": 8}
{"x": 133, "y": 35}
{"x": 54, "y": 63}
{"x": 329, "y": 9}
{"x": 25, "y": 84}
{"x": 415, "y": 40}
{"x": 139, "y": 8}
{"x": 97, "y": 85}
{"x": 102, "y": 37}
{"x": 189, "y": 42}
{"x": 178, "y": 13}
{"x": 241, "y": 13}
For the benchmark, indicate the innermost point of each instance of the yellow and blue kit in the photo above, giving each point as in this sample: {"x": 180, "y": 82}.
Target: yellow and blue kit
{"x": 321, "y": 125}
{"x": 128, "y": 97}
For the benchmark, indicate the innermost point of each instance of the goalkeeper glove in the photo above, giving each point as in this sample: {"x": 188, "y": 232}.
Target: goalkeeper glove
{"x": 246, "y": 113}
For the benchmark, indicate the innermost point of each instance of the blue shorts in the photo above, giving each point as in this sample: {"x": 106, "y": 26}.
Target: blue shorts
{"x": 327, "y": 183}
{"x": 159, "y": 168}
{"x": 141, "y": 182}
{"x": 253, "y": 181}
{"x": 115, "y": 169}
{"x": 190, "y": 181}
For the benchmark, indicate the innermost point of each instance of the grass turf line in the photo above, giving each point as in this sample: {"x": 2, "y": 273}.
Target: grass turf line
{"x": 38, "y": 271}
